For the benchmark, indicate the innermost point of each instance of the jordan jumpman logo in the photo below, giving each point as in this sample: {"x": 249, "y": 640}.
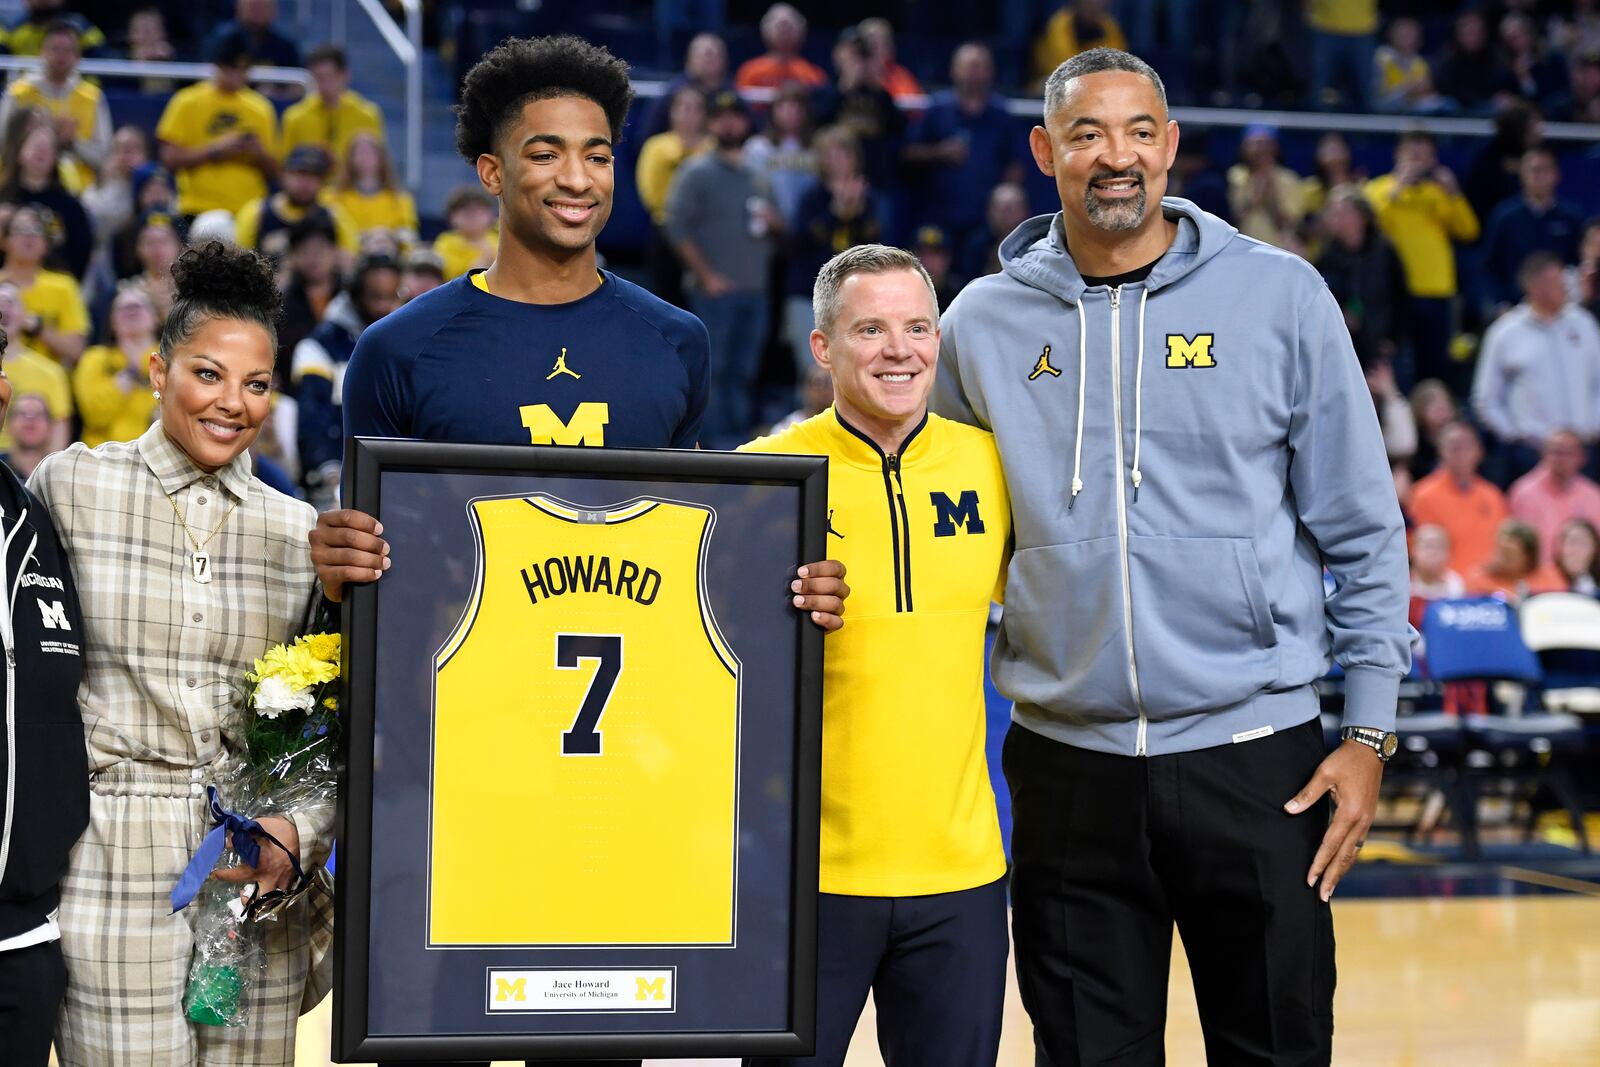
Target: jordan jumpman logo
{"x": 1043, "y": 366}
{"x": 562, "y": 368}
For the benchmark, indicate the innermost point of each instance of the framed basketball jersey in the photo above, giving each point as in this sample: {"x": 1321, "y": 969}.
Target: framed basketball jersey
{"x": 579, "y": 816}
{"x": 622, "y": 713}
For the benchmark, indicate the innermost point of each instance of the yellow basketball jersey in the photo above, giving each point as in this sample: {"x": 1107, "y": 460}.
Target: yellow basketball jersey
{"x": 585, "y": 734}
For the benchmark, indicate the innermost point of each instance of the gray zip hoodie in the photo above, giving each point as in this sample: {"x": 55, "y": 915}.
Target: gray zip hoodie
{"x": 1185, "y": 456}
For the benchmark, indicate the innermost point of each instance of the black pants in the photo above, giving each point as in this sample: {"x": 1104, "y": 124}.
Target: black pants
{"x": 32, "y": 981}
{"x": 532, "y": 1063}
{"x": 936, "y": 967}
{"x": 1108, "y": 852}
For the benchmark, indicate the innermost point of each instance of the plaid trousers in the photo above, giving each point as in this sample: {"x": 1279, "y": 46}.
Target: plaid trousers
{"x": 128, "y": 957}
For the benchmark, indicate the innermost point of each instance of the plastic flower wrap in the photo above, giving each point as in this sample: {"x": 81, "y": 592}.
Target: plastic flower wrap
{"x": 288, "y": 723}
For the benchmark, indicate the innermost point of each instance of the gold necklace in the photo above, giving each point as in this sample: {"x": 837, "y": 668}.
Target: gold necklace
{"x": 199, "y": 559}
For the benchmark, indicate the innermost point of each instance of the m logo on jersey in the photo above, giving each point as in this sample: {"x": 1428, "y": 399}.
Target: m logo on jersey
{"x": 505, "y": 989}
{"x": 1182, "y": 352}
{"x": 586, "y": 427}
{"x": 53, "y": 615}
{"x": 963, "y": 513}
{"x": 651, "y": 988}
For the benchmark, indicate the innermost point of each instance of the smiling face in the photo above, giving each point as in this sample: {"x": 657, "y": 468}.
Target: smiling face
{"x": 552, "y": 170}
{"x": 216, "y": 390}
{"x": 881, "y": 349}
{"x": 1108, "y": 146}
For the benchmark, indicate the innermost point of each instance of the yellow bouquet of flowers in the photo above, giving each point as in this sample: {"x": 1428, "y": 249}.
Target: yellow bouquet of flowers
{"x": 289, "y": 725}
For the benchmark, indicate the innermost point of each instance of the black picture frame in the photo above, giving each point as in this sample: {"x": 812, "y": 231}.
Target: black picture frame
{"x": 369, "y": 464}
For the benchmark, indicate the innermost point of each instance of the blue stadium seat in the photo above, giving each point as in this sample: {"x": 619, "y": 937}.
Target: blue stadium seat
{"x": 1480, "y": 639}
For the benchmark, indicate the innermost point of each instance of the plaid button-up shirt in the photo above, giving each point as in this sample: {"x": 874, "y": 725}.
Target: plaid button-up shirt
{"x": 165, "y": 655}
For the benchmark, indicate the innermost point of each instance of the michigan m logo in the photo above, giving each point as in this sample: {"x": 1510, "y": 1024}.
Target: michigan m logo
{"x": 505, "y": 989}
{"x": 587, "y": 426}
{"x": 1182, "y": 352}
{"x": 651, "y": 988}
{"x": 53, "y": 615}
{"x": 964, "y": 513}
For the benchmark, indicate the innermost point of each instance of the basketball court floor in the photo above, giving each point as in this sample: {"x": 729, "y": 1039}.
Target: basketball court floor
{"x": 1499, "y": 967}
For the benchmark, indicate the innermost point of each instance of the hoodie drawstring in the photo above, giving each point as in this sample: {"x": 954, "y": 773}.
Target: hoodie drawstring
{"x": 1138, "y": 397}
{"x": 1083, "y": 369}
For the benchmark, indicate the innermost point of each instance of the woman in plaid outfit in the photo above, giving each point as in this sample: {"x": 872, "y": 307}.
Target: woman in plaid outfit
{"x": 188, "y": 567}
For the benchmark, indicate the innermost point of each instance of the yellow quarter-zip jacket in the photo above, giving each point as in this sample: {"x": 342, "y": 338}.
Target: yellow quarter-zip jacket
{"x": 907, "y": 808}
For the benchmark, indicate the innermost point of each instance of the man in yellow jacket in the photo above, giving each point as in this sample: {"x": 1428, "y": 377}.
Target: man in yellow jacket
{"x": 913, "y": 903}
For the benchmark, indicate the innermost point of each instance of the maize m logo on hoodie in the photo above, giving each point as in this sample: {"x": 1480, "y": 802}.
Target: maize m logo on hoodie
{"x": 1184, "y": 352}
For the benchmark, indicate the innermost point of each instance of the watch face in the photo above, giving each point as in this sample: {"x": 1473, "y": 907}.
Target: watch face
{"x": 1391, "y": 744}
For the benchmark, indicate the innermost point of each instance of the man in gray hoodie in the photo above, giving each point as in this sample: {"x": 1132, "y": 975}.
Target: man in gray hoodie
{"x": 1189, "y": 442}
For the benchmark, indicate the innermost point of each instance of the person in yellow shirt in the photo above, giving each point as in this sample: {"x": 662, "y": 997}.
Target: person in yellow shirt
{"x": 1264, "y": 196}
{"x": 112, "y": 382}
{"x": 335, "y": 113}
{"x": 472, "y": 239}
{"x": 32, "y": 373}
{"x": 77, "y": 108}
{"x": 659, "y": 159}
{"x": 1077, "y": 27}
{"x": 368, "y": 194}
{"x": 56, "y": 320}
{"x": 661, "y": 155}
{"x": 220, "y": 137}
{"x": 912, "y": 873}
{"x": 1344, "y": 36}
{"x": 1420, "y": 209}
{"x": 25, "y": 35}
{"x": 264, "y": 224}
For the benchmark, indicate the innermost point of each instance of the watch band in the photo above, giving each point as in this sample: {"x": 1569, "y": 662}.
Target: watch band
{"x": 1383, "y": 742}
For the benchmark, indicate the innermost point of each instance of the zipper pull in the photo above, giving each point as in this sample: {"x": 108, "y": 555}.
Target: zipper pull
{"x": 1116, "y": 297}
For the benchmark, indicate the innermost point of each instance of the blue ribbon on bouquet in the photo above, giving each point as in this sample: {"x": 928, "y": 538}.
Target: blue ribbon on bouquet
{"x": 243, "y": 828}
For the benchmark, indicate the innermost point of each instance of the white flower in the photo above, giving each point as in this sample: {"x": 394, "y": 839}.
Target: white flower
{"x": 274, "y": 697}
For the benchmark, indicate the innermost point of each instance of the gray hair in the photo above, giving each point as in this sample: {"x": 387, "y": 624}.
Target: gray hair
{"x": 1096, "y": 61}
{"x": 862, "y": 259}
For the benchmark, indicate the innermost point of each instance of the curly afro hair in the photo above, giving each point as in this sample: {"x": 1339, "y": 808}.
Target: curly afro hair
{"x": 221, "y": 281}
{"x": 522, "y": 69}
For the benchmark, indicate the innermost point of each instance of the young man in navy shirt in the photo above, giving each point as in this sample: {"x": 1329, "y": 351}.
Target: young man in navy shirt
{"x": 542, "y": 347}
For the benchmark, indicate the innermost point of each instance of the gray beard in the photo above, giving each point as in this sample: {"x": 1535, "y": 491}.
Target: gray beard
{"x": 1114, "y": 215}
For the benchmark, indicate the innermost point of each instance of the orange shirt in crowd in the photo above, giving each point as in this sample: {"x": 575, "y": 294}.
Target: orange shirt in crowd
{"x": 900, "y": 82}
{"x": 1544, "y": 580}
{"x": 1471, "y": 516}
{"x": 769, "y": 72}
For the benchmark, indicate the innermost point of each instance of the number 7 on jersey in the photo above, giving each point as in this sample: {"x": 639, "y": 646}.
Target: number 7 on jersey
{"x": 571, "y": 650}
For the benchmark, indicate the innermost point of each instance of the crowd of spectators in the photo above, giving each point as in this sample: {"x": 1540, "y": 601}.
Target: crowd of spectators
{"x": 1470, "y": 299}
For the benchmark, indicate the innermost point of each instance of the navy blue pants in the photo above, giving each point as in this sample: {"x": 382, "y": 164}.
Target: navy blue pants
{"x": 936, "y": 967}
{"x": 1110, "y": 852}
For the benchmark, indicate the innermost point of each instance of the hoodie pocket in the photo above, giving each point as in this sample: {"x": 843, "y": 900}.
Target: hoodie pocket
{"x": 1203, "y": 632}
{"x": 1062, "y": 644}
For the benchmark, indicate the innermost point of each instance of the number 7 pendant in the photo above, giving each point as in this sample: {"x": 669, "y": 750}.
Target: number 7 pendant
{"x": 201, "y": 567}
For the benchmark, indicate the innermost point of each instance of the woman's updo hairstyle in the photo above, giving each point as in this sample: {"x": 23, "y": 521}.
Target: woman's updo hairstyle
{"x": 221, "y": 281}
